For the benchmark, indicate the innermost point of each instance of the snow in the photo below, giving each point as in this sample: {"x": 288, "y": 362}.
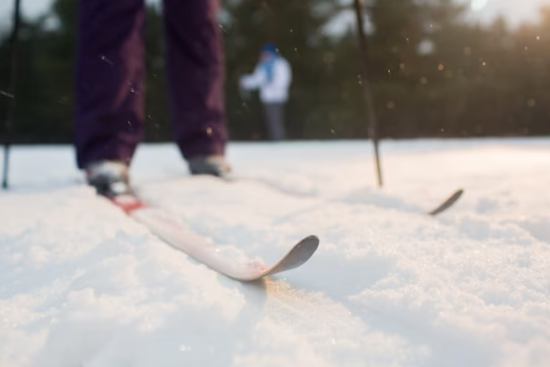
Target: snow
{"x": 81, "y": 284}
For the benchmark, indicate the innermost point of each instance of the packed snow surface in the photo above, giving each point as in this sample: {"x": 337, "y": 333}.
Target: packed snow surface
{"x": 82, "y": 284}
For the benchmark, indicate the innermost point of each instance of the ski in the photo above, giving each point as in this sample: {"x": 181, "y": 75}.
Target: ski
{"x": 181, "y": 237}
{"x": 450, "y": 201}
{"x": 446, "y": 204}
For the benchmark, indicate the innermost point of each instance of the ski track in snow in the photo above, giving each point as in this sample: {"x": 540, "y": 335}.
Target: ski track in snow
{"x": 84, "y": 285}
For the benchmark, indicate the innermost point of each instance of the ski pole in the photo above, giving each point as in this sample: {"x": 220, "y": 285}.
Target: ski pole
{"x": 373, "y": 124}
{"x": 10, "y": 108}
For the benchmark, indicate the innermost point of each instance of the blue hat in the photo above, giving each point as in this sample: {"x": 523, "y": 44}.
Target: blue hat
{"x": 269, "y": 48}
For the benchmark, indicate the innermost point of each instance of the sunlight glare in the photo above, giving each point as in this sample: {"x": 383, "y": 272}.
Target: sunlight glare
{"x": 478, "y": 4}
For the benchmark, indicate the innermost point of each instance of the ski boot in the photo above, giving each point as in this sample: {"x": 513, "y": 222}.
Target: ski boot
{"x": 215, "y": 165}
{"x": 109, "y": 178}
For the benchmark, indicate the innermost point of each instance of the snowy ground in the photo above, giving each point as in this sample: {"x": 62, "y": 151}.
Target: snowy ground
{"x": 81, "y": 284}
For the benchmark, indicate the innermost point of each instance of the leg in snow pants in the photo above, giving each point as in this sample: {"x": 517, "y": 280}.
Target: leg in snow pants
{"x": 110, "y": 83}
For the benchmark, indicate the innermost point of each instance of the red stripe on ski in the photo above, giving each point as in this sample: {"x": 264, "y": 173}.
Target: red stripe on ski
{"x": 128, "y": 203}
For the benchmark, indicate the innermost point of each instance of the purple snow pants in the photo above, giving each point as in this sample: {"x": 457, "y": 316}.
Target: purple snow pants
{"x": 110, "y": 83}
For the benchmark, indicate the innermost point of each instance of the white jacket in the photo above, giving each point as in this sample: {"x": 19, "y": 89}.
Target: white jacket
{"x": 277, "y": 90}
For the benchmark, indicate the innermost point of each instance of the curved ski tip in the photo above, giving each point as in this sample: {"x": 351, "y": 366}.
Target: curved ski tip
{"x": 310, "y": 241}
{"x": 307, "y": 247}
{"x": 456, "y": 195}
{"x": 297, "y": 256}
{"x": 312, "y": 238}
{"x": 447, "y": 203}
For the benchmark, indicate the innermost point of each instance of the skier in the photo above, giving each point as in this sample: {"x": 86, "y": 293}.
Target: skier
{"x": 110, "y": 87}
{"x": 272, "y": 76}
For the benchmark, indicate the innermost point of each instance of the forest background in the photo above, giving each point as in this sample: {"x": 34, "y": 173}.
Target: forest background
{"x": 433, "y": 73}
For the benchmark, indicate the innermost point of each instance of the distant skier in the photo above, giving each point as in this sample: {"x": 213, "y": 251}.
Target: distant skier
{"x": 110, "y": 87}
{"x": 272, "y": 76}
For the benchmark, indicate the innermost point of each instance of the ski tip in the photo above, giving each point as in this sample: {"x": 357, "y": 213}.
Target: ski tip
{"x": 312, "y": 238}
{"x": 447, "y": 203}
{"x": 456, "y": 195}
{"x": 297, "y": 256}
{"x": 312, "y": 242}
{"x": 303, "y": 250}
